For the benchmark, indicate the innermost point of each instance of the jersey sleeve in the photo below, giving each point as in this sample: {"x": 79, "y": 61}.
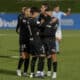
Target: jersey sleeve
{"x": 18, "y": 24}
{"x": 63, "y": 14}
{"x": 20, "y": 17}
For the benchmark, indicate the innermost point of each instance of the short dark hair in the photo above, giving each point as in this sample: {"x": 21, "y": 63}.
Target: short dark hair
{"x": 34, "y": 9}
{"x": 46, "y": 5}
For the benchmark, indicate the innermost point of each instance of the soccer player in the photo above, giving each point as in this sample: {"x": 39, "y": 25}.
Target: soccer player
{"x": 23, "y": 40}
{"x": 49, "y": 27}
{"x": 36, "y": 46}
{"x": 58, "y": 14}
{"x": 19, "y": 19}
{"x": 43, "y": 17}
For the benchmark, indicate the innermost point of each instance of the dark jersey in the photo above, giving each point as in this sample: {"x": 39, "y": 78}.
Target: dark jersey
{"x": 45, "y": 18}
{"x": 48, "y": 29}
{"x": 19, "y": 21}
{"x": 23, "y": 28}
{"x": 34, "y": 26}
{"x": 36, "y": 46}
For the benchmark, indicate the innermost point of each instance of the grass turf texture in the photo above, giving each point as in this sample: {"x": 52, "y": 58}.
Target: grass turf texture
{"x": 68, "y": 60}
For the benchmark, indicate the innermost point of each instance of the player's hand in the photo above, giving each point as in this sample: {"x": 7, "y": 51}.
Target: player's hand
{"x": 69, "y": 9}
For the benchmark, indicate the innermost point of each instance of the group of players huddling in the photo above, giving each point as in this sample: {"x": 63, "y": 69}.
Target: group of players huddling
{"x": 39, "y": 36}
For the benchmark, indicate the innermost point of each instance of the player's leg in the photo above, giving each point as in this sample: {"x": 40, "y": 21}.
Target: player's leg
{"x": 48, "y": 56}
{"x": 33, "y": 63}
{"x": 21, "y": 60}
{"x": 26, "y": 63}
{"x": 40, "y": 72}
{"x": 49, "y": 65}
{"x": 34, "y": 46}
{"x": 24, "y": 58}
{"x": 40, "y": 49}
{"x": 58, "y": 40}
{"x": 54, "y": 59}
{"x": 57, "y": 46}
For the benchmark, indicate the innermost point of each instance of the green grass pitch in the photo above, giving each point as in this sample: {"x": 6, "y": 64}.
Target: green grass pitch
{"x": 68, "y": 60}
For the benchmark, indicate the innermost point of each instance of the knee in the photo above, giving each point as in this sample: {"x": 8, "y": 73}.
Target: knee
{"x": 54, "y": 57}
{"x": 58, "y": 39}
{"x": 25, "y": 55}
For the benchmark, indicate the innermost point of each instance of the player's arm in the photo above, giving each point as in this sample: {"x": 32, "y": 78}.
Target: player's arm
{"x": 68, "y": 12}
{"x": 18, "y": 25}
{"x": 54, "y": 20}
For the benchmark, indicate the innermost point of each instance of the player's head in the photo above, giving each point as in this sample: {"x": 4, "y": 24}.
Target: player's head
{"x": 27, "y": 12}
{"x": 48, "y": 12}
{"x": 35, "y": 12}
{"x": 44, "y": 7}
{"x": 22, "y": 10}
{"x": 57, "y": 8}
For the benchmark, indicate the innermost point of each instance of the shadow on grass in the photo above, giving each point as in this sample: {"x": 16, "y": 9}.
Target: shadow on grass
{"x": 7, "y": 72}
{"x": 4, "y": 56}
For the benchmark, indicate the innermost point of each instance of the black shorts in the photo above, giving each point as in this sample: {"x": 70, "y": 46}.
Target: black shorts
{"x": 36, "y": 46}
{"x": 49, "y": 45}
{"x": 24, "y": 45}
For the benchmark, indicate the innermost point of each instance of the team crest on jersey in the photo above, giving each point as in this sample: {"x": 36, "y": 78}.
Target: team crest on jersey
{"x": 24, "y": 20}
{"x": 49, "y": 26}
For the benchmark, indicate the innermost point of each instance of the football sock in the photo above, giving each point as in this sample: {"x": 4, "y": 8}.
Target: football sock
{"x": 49, "y": 63}
{"x": 21, "y": 60}
{"x": 33, "y": 62}
{"x": 55, "y": 66}
{"x": 26, "y": 65}
{"x": 41, "y": 64}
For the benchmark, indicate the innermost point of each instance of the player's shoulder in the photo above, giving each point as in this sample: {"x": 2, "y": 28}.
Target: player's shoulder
{"x": 61, "y": 12}
{"x": 20, "y": 16}
{"x": 41, "y": 16}
{"x": 56, "y": 12}
{"x": 25, "y": 19}
{"x": 53, "y": 12}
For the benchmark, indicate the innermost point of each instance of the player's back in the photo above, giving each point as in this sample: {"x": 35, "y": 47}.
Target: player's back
{"x": 48, "y": 29}
{"x": 34, "y": 25}
{"x": 24, "y": 32}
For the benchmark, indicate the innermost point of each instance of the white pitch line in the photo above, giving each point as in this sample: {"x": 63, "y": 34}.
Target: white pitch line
{"x": 14, "y": 57}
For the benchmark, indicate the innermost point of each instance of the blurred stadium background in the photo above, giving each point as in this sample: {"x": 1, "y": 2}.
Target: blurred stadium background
{"x": 15, "y": 5}
{"x": 69, "y": 59}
